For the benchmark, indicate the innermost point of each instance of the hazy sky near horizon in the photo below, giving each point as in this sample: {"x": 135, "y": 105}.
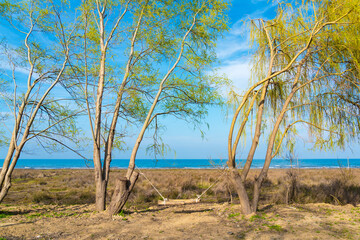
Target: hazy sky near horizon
{"x": 185, "y": 141}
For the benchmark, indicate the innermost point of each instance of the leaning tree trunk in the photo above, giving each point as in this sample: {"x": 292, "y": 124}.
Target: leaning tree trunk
{"x": 122, "y": 192}
{"x": 125, "y": 185}
{"x": 239, "y": 185}
{"x": 256, "y": 194}
{"x": 238, "y": 180}
{"x": 6, "y": 179}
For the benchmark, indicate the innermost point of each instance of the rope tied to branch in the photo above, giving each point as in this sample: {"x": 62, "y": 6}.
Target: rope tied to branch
{"x": 164, "y": 199}
{"x": 198, "y": 198}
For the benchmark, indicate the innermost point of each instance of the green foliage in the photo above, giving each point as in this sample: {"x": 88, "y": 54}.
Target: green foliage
{"x": 275, "y": 227}
{"x": 122, "y": 215}
{"x": 232, "y": 215}
{"x": 307, "y": 46}
{"x": 142, "y": 49}
{"x": 37, "y": 62}
{"x": 256, "y": 217}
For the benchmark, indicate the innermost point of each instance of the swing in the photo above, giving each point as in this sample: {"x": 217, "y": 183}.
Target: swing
{"x": 166, "y": 201}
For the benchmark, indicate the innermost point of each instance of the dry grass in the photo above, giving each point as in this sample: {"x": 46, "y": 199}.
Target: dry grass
{"x": 76, "y": 186}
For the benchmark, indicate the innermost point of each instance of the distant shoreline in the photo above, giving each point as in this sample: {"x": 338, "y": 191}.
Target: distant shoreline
{"x": 187, "y": 163}
{"x": 217, "y": 169}
{"x": 117, "y": 168}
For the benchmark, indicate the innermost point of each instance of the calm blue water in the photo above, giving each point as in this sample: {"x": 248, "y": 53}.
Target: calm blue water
{"x": 182, "y": 163}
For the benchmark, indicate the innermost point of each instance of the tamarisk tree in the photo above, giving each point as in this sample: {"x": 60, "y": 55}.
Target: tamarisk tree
{"x": 140, "y": 61}
{"x": 32, "y": 71}
{"x": 297, "y": 67}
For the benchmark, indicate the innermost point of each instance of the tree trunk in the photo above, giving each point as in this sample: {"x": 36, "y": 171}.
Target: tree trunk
{"x": 5, "y": 188}
{"x": 6, "y": 181}
{"x": 121, "y": 193}
{"x": 239, "y": 185}
{"x": 100, "y": 195}
{"x": 6, "y": 163}
{"x": 256, "y": 194}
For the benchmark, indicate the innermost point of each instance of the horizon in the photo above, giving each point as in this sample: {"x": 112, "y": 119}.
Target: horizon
{"x": 159, "y": 159}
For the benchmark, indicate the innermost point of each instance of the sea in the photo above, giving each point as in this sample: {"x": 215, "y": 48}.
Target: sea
{"x": 184, "y": 163}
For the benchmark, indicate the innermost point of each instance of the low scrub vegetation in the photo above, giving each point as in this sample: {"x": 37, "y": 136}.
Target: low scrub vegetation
{"x": 283, "y": 186}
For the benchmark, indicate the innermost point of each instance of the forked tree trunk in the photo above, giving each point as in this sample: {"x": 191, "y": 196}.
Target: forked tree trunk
{"x": 239, "y": 185}
{"x": 121, "y": 193}
{"x": 247, "y": 207}
{"x": 124, "y": 186}
{"x": 260, "y": 179}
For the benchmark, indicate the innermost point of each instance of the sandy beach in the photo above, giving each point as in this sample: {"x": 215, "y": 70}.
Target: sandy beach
{"x": 58, "y": 204}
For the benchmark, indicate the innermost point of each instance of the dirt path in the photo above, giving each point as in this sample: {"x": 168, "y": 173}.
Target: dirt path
{"x": 197, "y": 221}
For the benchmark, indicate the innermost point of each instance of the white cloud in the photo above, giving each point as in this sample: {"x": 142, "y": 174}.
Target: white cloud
{"x": 235, "y": 42}
{"x": 234, "y": 50}
{"x": 238, "y": 71}
{"x": 240, "y": 28}
{"x": 8, "y": 54}
{"x": 7, "y": 67}
{"x": 230, "y": 47}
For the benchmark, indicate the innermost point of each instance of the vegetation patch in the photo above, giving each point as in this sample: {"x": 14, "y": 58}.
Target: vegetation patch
{"x": 275, "y": 227}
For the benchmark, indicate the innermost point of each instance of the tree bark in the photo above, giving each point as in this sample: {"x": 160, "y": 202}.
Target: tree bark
{"x": 6, "y": 181}
{"x": 100, "y": 183}
{"x": 6, "y": 163}
{"x": 239, "y": 185}
{"x": 257, "y": 134}
{"x": 256, "y": 195}
{"x": 100, "y": 199}
{"x": 121, "y": 193}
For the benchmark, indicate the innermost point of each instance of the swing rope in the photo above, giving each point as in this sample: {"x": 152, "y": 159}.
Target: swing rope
{"x": 165, "y": 199}
{"x": 217, "y": 180}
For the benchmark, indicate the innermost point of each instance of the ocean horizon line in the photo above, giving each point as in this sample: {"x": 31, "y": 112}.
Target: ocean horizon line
{"x": 315, "y": 163}
{"x": 179, "y": 158}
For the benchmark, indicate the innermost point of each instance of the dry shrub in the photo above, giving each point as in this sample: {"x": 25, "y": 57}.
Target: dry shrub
{"x": 336, "y": 186}
{"x": 334, "y": 192}
{"x": 76, "y": 197}
{"x": 145, "y": 197}
{"x": 42, "y": 197}
{"x": 188, "y": 186}
{"x": 64, "y": 198}
{"x": 288, "y": 187}
{"x": 172, "y": 194}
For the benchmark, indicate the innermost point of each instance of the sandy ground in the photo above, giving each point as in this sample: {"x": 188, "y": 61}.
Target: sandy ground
{"x": 59, "y": 204}
{"x": 193, "y": 221}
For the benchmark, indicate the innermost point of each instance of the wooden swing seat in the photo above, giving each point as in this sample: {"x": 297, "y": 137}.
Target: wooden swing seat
{"x": 178, "y": 201}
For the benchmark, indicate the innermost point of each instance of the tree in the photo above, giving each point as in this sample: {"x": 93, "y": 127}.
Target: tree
{"x": 296, "y": 70}
{"x": 153, "y": 35}
{"x": 35, "y": 70}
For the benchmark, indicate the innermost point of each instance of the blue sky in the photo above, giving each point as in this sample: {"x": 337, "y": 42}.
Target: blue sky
{"x": 185, "y": 141}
